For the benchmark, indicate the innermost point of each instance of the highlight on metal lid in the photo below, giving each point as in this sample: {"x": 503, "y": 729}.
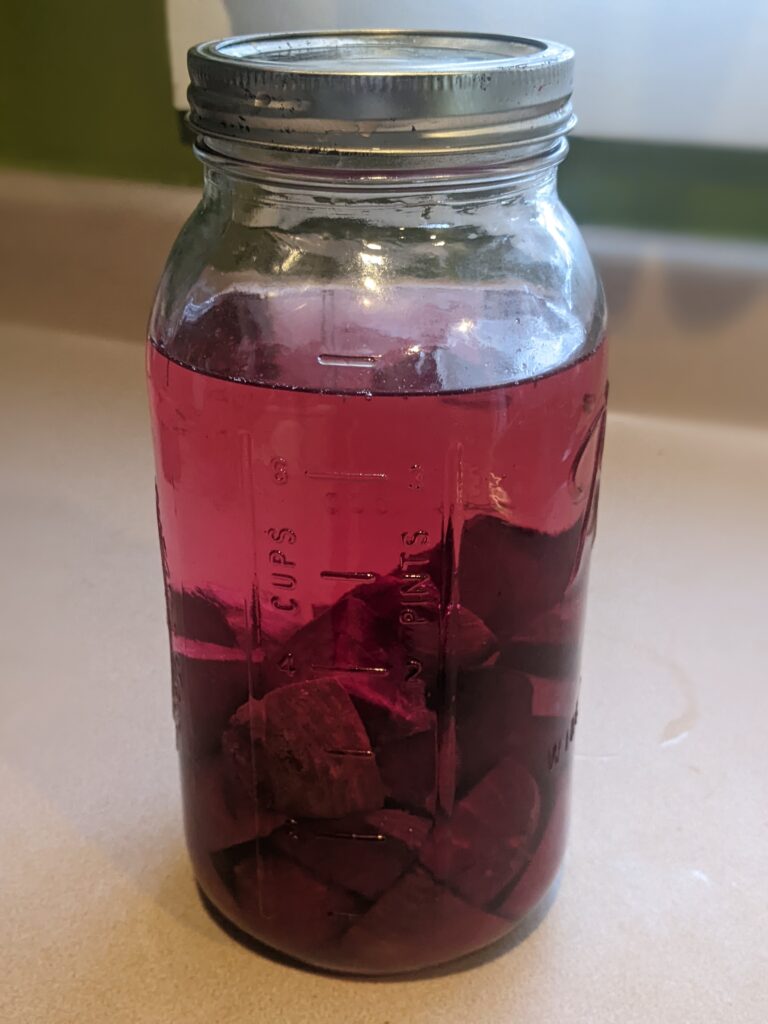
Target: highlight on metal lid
{"x": 404, "y": 97}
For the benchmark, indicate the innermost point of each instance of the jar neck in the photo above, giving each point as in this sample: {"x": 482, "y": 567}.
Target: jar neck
{"x": 323, "y": 163}
{"x": 363, "y": 192}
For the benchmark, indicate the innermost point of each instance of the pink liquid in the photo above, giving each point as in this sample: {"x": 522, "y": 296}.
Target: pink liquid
{"x": 375, "y": 607}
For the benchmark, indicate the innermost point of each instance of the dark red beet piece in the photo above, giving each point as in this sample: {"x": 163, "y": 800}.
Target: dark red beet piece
{"x": 206, "y": 695}
{"x": 242, "y": 748}
{"x": 382, "y": 596}
{"x": 282, "y": 904}
{"x": 509, "y": 575}
{"x": 363, "y": 853}
{"x": 227, "y": 339}
{"x": 552, "y": 646}
{"x": 409, "y": 829}
{"x": 197, "y": 615}
{"x": 349, "y": 635}
{"x": 311, "y": 754}
{"x": 486, "y": 841}
{"x": 416, "y": 923}
{"x": 389, "y": 712}
{"x": 357, "y": 641}
{"x": 468, "y": 641}
{"x": 408, "y": 769}
{"x": 219, "y": 812}
{"x": 502, "y": 712}
{"x": 493, "y": 714}
{"x": 555, "y": 661}
{"x": 543, "y": 867}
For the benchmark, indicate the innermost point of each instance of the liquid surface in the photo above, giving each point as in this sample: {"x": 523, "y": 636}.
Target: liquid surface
{"x": 378, "y": 340}
{"x": 375, "y": 607}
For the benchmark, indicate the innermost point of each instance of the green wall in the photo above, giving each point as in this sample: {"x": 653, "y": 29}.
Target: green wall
{"x": 85, "y": 88}
{"x": 90, "y": 92}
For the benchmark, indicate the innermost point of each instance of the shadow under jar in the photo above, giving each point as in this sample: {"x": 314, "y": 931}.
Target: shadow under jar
{"x": 377, "y": 382}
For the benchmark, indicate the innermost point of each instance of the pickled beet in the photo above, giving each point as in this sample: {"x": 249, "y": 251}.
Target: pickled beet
{"x": 348, "y": 633}
{"x": 358, "y": 631}
{"x": 493, "y": 714}
{"x": 207, "y": 692}
{"x": 467, "y": 642}
{"x": 541, "y": 870}
{"x": 363, "y": 853}
{"x": 221, "y": 811}
{"x": 408, "y": 768}
{"x": 199, "y": 616}
{"x": 307, "y": 748}
{"x": 229, "y": 337}
{"x": 488, "y": 838}
{"x": 509, "y": 576}
{"x": 416, "y": 923}
{"x": 289, "y": 908}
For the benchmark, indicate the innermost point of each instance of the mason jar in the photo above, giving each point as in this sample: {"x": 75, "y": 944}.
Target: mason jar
{"x": 377, "y": 379}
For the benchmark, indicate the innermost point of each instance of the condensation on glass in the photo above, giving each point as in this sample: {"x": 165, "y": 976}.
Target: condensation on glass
{"x": 377, "y": 380}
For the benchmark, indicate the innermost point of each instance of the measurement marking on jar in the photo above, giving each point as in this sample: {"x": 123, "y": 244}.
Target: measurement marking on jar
{"x": 346, "y": 359}
{"x": 376, "y": 837}
{"x": 340, "y": 574}
{"x": 343, "y": 752}
{"x": 331, "y": 475}
{"x": 376, "y": 669}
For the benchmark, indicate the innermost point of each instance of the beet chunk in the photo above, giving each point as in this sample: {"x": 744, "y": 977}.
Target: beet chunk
{"x": 348, "y": 635}
{"x": 282, "y": 904}
{"x": 509, "y": 575}
{"x": 363, "y": 853}
{"x": 543, "y": 867}
{"x": 308, "y": 751}
{"x": 468, "y": 641}
{"x": 219, "y": 812}
{"x": 390, "y": 709}
{"x": 500, "y": 710}
{"x": 408, "y": 767}
{"x": 552, "y": 646}
{"x": 356, "y": 641}
{"x": 551, "y": 660}
{"x": 206, "y": 695}
{"x": 486, "y": 841}
{"x": 228, "y": 338}
{"x": 493, "y": 716}
{"x": 382, "y": 596}
{"x": 416, "y": 923}
{"x": 361, "y": 642}
{"x": 200, "y": 616}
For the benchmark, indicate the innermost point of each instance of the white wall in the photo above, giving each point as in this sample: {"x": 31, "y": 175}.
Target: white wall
{"x": 660, "y": 70}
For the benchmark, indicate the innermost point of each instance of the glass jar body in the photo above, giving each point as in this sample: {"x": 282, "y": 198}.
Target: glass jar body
{"x": 378, "y": 411}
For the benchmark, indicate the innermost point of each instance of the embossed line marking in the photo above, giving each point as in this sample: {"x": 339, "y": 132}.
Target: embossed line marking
{"x": 349, "y": 752}
{"x": 377, "y": 669}
{"x": 322, "y": 474}
{"x": 346, "y": 359}
{"x": 375, "y": 837}
{"x": 340, "y": 574}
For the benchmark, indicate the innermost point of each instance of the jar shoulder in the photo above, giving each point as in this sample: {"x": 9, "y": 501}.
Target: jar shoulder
{"x": 499, "y": 293}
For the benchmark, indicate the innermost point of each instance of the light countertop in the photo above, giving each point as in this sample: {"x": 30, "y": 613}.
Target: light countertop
{"x": 663, "y": 909}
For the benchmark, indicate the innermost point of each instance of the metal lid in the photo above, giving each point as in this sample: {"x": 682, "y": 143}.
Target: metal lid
{"x": 403, "y": 98}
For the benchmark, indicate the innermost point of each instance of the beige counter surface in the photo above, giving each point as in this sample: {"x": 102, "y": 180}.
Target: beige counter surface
{"x": 663, "y": 909}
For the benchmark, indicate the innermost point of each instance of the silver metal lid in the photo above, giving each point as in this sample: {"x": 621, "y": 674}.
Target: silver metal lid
{"x": 383, "y": 98}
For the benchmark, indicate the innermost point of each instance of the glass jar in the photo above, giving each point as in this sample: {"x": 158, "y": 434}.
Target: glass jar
{"x": 377, "y": 380}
